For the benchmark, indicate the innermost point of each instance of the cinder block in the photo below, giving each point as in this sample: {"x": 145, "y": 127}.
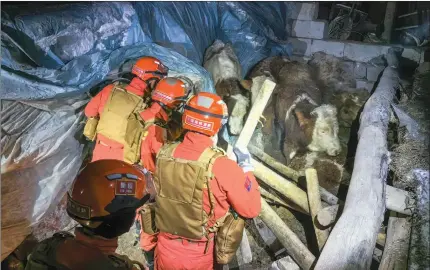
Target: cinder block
{"x": 373, "y": 72}
{"x": 330, "y": 47}
{"x": 305, "y": 11}
{"x": 413, "y": 54}
{"x": 365, "y": 84}
{"x": 363, "y": 52}
{"x": 309, "y": 29}
{"x": 301, "y": 46}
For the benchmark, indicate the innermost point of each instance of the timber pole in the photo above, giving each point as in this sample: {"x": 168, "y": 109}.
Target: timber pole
{"x": 353, "y": 238}
{"x": 295, "y": 248}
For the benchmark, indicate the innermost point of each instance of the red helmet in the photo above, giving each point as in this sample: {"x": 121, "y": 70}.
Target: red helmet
{"x": 205, "y": 113}
{"x": 149, "y": 67}
{"x": 170, "y": 91}
{"x": 107, "y": 188}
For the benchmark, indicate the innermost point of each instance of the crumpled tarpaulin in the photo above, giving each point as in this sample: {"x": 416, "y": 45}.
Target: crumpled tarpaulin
{"x": 52, "y": 53}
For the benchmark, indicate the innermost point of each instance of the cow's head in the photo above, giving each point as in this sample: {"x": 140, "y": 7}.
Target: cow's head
{"x": 236, "y": 95}
{"x": 321, "y": 128}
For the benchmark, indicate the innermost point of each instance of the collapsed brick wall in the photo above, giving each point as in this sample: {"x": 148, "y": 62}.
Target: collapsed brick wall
{"x": 309, "y": 35}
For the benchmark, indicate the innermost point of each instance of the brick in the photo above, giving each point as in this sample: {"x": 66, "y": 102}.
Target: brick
{"x": 301, "y": 46}
{"x": 330, "y": 47}
{"x": 363, "y": 52}
{"x": 305, "y": 11}
{"x": 309, "y": 29}
{"x": 373, "y": 72}
{"x": 365, "y": 84}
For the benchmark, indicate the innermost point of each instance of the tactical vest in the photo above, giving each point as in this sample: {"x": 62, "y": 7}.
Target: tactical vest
{"x": 44, "y": 257}
{"x": 180, "y": 184}
{"x": 120, "y": 121}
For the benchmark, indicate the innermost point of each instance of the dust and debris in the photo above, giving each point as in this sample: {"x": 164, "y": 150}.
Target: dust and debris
{"x": 126, "y": 246}
{"x": 411, "y": 153}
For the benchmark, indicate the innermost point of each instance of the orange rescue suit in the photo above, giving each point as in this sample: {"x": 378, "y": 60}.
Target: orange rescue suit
{"x": 230, "y": 187}
{"x": 106, "y": 148}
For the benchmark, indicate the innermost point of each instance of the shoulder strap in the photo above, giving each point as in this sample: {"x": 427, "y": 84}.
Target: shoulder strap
{"x": 167, "y": 150}
{"x": 208, "y": 157}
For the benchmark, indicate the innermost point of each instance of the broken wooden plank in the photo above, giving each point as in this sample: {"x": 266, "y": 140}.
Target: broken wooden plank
{"x": 254, "y": 115}
{"x": 358, "y": 226}
{"x": 315, "y": 204}
{"x": 289, "y": 173}
{"x": 243, "y": 140}
{"x": 282, "y": 169}
{"x": 396, "y": 249}
{"x": 275, "y": 199}
{"x": 295, "y": 248}
{"x": 280, "y": 184}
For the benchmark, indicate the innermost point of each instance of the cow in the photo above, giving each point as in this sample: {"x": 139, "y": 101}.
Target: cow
{"x": 331, "y": 74}
{"x": 222, "y": 63}
{"x": 297, "y": 118}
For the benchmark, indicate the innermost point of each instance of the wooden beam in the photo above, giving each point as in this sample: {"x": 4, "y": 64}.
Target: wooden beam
{"x": 286, "y": 188}
{"x": 315, "y": 205}
{"x": 270, "y": 197}
{"x": 396, "y": 249}
{"x": 353, "y": 238}
{"x": 295, "y": 248}
{"x": 254, "y": 115}
{"x": 290, "y": 173}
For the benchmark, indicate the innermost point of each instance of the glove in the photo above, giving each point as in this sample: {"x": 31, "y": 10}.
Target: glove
{"x": 243, "y": 159}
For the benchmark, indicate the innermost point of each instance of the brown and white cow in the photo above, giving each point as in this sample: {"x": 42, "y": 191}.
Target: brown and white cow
{"x": 222, "y": 63}
{"x": 298, "y": 120}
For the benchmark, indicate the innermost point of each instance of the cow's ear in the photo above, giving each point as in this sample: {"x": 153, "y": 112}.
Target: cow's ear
{"x": 247, "y": 84}
{"x": 301, "y": 118}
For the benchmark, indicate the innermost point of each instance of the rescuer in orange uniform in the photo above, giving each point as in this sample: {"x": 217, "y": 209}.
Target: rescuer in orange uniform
{"x": 103, "y": 200}
{"x": 169, "y": 94}
{"x": 196, "y": 185}
{"x": 109, "y": 110}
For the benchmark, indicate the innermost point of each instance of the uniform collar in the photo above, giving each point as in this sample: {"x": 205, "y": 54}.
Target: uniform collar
{"x": 138, "y": 86}
{"x": 194, "y": 139}
{"x": 155, "y": 111}
{"x": 105, "y": 245}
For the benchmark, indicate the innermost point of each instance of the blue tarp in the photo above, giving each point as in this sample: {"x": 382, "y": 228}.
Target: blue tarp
{"x": 53, "y": 53}
{"x": 49, "y": 50}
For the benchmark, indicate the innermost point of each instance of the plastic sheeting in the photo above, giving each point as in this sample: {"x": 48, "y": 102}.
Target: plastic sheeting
{"x": 40, "y": 157}
{"x": 53, "y": 53}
